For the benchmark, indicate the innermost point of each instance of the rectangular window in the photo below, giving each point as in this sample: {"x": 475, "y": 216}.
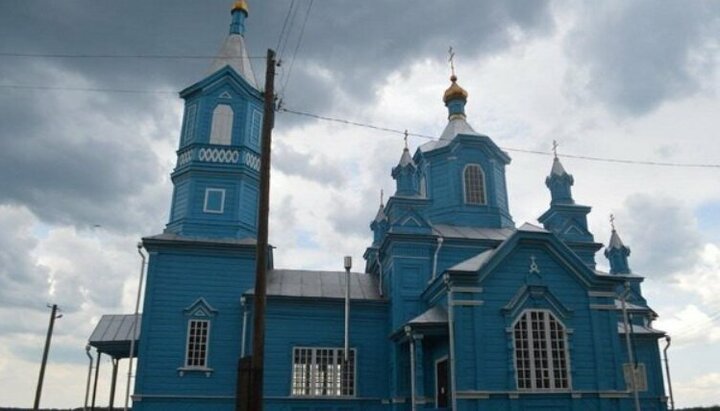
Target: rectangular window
{"x": 197, "y": 343}
{"x": 322, "y": 372}
{"x": 190, "y": 124}
{"x": 640, "y": 377}
{"x": 255, "y": 128}
{"x": 214, "y": 200}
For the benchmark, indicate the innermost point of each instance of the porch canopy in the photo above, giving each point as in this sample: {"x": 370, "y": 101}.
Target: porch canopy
{"x": 113, "y": 334}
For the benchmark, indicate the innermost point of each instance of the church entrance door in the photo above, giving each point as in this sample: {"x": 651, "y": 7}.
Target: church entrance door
{"x": 441, "y": 383}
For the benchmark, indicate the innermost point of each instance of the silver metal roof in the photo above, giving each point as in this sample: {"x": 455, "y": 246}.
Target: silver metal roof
{"x": 473, "y": 264}
{"x": 113, "y": 328}
{"x": 406, "y": 159}
{"x": 456, "y": 125}
{"x": 557, "y": 168}
{"x": 113, "y": 335}
{"x": 167, "y": 236}
{"x": 532, "y": 228}
{"x": 321, "y": 284}
{"x": 615, "y": 241}
{"x": 473, "y": 233}
{"x": 435, "y": 315}
{"x": 234, "y": 54}
{"x": 638, "y": 329}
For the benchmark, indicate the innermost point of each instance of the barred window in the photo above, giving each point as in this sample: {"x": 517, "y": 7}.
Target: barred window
{"x": 474, "y": 184}
{"x": 322, "y": 372}
{"x": 197, "y": 343}
{"x": 541, "y": 358}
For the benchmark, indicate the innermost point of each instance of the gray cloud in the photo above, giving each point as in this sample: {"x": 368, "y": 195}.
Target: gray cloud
{"x": 638, "y": 54}
{"x": 23, "y": 282}
{"x": 314, "y": 167}
{"x": 662, "y": 234}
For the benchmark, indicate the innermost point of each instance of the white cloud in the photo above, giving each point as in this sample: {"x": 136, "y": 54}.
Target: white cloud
{"x": 701, "y": 390}
{"x": 691, "y": 325}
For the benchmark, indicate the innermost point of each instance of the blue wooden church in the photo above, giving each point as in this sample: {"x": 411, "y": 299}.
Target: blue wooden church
{"x": 458, "y": 308}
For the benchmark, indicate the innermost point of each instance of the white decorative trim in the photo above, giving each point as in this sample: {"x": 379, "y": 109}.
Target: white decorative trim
{"x": 251, "y": 160}
{"x": 601, "y": 294}
{"x": 468, "y": 289}
{"x": 219, "y": 155}
{"x": 184, "y": 158}
{"x": 222, "y": 200}
{"x": 467, "y": 302}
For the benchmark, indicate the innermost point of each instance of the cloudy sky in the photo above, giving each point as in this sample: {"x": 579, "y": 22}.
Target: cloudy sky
{"x": 84, "y": 170}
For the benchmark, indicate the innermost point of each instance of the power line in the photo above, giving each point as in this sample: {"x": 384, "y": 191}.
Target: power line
{"x": 118, "y": 56}
{"x": 297, "y": 46}
{"x": 284, "y": 26}
{"x": 519, "y": 150}
{"x": 370, "y": 126}
{"x": 87, "y": 89}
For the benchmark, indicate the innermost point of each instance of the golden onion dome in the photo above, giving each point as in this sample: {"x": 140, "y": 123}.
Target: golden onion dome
{"x": 241, "y": 5}
{"x": 454, "y": 91}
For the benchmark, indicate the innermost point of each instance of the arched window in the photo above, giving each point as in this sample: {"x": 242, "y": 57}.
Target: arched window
{"x": 541, "y": 359}
{"x": 474, "y": 184}
{"x": 222, "y": 122}
{"x": 423, "y": 186}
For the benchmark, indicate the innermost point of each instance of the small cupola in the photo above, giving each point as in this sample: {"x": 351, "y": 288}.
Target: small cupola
{"x": 455, "y": 98}
{"x": 617, "y": 252}
{"x": 560, "y": 182}
{"x": 405, "y": 173}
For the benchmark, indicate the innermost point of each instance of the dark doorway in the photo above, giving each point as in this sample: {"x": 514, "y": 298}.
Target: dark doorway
{"x": 442, "y": 388}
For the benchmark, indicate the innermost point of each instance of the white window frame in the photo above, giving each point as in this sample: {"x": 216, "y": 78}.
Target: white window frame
{"x": 204, "y": 366}
{"x": 481, "y": 181}
{"x": 255, "y": 131}
{"x": 190, "y": 121}
{"x": 555, "y": 384}
{"x": 222, "y": 201}
{"x": 311, "y": 384}
{"x": 222, "y": 125}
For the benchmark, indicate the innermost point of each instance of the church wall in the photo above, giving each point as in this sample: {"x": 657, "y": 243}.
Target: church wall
{"x": 320, "y": 323}
{"x": 173, "y": 275}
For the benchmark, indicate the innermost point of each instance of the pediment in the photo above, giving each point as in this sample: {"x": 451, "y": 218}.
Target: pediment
{"x": 200, "y": 309}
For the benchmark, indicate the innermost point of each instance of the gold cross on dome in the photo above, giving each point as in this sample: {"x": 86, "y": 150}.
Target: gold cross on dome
{"x": 405, "y": 138}
{"x": 555, "y": 146}
{"x": 612, "y": 221}
{"x": 451, "y": 59}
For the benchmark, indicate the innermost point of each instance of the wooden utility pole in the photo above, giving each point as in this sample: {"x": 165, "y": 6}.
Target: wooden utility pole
{"x": 38, "y": 390}
{"x": 258, "y": 355}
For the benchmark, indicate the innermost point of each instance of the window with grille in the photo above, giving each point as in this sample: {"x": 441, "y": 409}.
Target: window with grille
{"x": 322, "y": 372}
{"x": 197, "y": 343}
{"x": 541, "y": 359}
{"x": 474, "y": 184}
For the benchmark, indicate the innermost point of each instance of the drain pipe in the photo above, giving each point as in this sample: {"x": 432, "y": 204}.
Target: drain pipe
{"x": 244, "y": 327}
{"x": 667, "y": 373}
{"x": 435, "y": 257}
{"x": 628, "y": 345}
{"x": 135, "y": 324}
{"x": 87, "y": 385}
{"x": 380, "y": 273}
{"x": 451, "y": 337}
{"x": 408, "y": 333}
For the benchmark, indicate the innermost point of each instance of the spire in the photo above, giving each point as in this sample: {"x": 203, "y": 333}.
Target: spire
{"x": 455, "y": 96}
{"x": 559, "y": 181}
{"x": 233, "y": 52}
{"x": 617, "y": 252}
{"x": 379, "y": 224}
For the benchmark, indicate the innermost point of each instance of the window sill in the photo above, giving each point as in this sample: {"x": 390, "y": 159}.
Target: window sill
{"x": 182, "y": 370}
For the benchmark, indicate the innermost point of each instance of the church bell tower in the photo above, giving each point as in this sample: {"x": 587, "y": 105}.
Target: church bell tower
{"x": 217, "y": 172}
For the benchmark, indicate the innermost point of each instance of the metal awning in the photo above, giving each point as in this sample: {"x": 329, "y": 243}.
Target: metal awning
{"x": 113, "y": 334}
